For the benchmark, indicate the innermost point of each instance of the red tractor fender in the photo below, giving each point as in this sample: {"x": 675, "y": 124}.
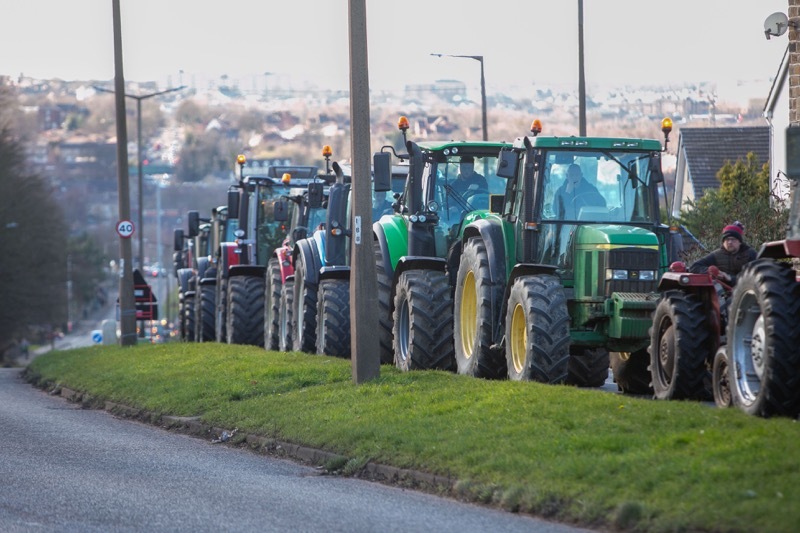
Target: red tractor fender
{"x": 285, "y": 260}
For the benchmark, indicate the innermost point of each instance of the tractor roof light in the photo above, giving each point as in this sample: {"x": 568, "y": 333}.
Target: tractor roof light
{"x": 286, "y": 178}
{"x": 666, "y": 125}
{"x": 536, "y": 127}
{"x": 241, "y": 159}
{"x": 327, "y": 151}
{"x": 402, "y": 124}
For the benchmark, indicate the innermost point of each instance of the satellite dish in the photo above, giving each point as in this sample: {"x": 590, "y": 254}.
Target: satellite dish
{"x": 776, "y": 25}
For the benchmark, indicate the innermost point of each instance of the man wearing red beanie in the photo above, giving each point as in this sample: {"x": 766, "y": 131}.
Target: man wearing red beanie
{"x": 730, "y": 258}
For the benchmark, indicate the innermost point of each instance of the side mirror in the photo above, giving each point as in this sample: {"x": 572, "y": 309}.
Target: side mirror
{"x": 315, "y": 193}
{"x": 178, "y": 240}
{"x": 281, "y": 211}
{"x": 633, "y": 175}
{"x": 507, "y": 164}
{"x": 194, "y": 223}
{"x": 657, "y": 175}
{"x": 496, "y": 203}
{"x": 233, "y": 204}
{"x": 382, "y": 169}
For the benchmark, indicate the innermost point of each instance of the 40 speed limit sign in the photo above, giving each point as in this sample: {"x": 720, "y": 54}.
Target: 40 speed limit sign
{"x": 125, "y": 228}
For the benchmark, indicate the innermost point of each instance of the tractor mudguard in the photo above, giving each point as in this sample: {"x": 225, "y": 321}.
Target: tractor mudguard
{"x": 308, "y": 250}
{"x": 334, "y": 272}
{"x": 256, "y": 271}
{"x": 392, "y": 233}
{"x": 491, "y": 231}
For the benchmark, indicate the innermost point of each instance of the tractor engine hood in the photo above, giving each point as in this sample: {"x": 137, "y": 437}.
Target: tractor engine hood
{"x": 614, "y": 235}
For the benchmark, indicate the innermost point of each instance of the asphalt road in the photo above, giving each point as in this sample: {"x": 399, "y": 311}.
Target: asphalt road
{"x": 69, "y": 469}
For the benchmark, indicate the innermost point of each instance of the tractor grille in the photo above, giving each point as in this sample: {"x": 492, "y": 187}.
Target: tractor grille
{"x": 633, "y": 260}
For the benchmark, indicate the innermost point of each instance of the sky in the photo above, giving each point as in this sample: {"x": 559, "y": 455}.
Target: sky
{"x": 294, "y": 42}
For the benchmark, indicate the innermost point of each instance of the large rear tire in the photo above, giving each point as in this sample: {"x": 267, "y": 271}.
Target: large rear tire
{"x": 272, "y": 304}
{"x": 246, "y": 310}
{"x": 537, "y": 330}
{"x": 763, "y": 339}
{"x": 333, "y": 318}
{"x": 285, "y": 342}
{"x": 474, "y": 315}
{"x": 304, "y": 314}
{"x": 630, "y": 372}
{"x": 681, "y": 348}
{"x": 423, "y": 321}
{"x": 385, "y": 341}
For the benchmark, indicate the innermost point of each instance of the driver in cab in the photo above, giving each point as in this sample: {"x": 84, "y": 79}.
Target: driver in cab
{"x": 468, "y": 179}
{"x": 575, "y": 193}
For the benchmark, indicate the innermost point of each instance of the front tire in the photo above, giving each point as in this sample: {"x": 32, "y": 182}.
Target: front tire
{"x": 272, "y": 304}
{"x": 474, "y": 314}
{"x": 423, "y": 321}
{"x": 630, "y": 372}
{"x": 763, "y": 339}
{"x": 720, "y": 384}
{"x": 681, "y": 348}
{"x": 385, "y": 341}
{"x": 588, "y": 367}
{"x": 285, "y": 342}
{"x": 333, "y": 318}
{"x": 537, "y": 330}
{"x": 205, "y": 322}
{"x": 304, "y": 314}
{"x": 188, "y": 319}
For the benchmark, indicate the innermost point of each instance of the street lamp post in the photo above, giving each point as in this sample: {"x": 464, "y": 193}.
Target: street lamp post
{"x": 139, "y": 98}
{"x": 479, "y": 59}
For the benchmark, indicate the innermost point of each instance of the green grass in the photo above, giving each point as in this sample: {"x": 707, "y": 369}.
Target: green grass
{"x": 580, "y": 456}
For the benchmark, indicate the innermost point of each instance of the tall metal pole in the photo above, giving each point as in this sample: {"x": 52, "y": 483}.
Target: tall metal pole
{"x": 366, "y": 364}
{"x": 127, "y": 303}
{"x": 140, "y": 194}
{"x": 479, "y": 59}
{"x": 581, "y": 75}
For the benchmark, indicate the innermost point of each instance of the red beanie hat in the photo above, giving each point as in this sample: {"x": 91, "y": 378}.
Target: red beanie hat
{"x": 734, "y": 230}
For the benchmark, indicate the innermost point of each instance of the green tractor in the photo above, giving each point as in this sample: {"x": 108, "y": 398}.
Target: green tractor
{"x": 559, "y": 283}
{"x": 416, "y": 247}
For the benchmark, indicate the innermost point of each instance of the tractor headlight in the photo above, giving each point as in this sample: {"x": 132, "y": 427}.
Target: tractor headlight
{"x": 616, "y": 274}
{"x": 647, "y": 275}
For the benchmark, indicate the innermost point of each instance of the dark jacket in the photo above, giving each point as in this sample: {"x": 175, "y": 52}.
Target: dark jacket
{"x": 568, "y": 204}
{"x": 729, "y": 263}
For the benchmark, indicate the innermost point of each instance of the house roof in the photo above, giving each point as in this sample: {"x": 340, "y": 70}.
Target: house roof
{"x": 777, "y": 85}
{"x": 706, "y": 150}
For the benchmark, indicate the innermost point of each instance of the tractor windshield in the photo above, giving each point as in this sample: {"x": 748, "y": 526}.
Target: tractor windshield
{"x": 603, "y": 186}
{"x": 464, "y": 184}
{"x": 269, "y": 232}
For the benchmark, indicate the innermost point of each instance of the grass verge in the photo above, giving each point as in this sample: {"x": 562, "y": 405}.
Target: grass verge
{"x": 578, "y": 456}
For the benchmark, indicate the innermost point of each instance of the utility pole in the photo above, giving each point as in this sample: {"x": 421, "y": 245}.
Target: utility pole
{"x": 581, "y": 75}
{"x": 127, "y": 303}
{"x": 479, "y": 59}
{"x": 366, "y": 364}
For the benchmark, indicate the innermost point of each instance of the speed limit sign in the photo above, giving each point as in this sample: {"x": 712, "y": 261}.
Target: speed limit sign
{"x": 125, "y": 228}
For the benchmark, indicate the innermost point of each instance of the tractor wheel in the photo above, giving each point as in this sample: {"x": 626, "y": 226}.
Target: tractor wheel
{"x": 681, "y": 348}
{"x": 385, "y": 341}
{"x": 206, "y": 316}
{"x": 272, "y": 304}
{"x": 719, "y": 380}
{"x": 287, "y": 306}
{"x": 537, "y": 330}
{"x": 245, "y": 310}
{"x": 630, "y": 372}
{"x": 333, "y": 318}
{"x": 188, "y": 319}
{"x": 474, "y": 315}
{"x": 588, "y": 367}
{"x": 221, "y": 305}
{"x": 304, "y": 314}
{"x": 423, "y": 321}
{"x": 763, "y": 339}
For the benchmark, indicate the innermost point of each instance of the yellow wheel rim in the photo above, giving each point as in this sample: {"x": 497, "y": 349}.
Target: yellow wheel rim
{"x": 519, "y": 338}
{"x": 468, "y": 316}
